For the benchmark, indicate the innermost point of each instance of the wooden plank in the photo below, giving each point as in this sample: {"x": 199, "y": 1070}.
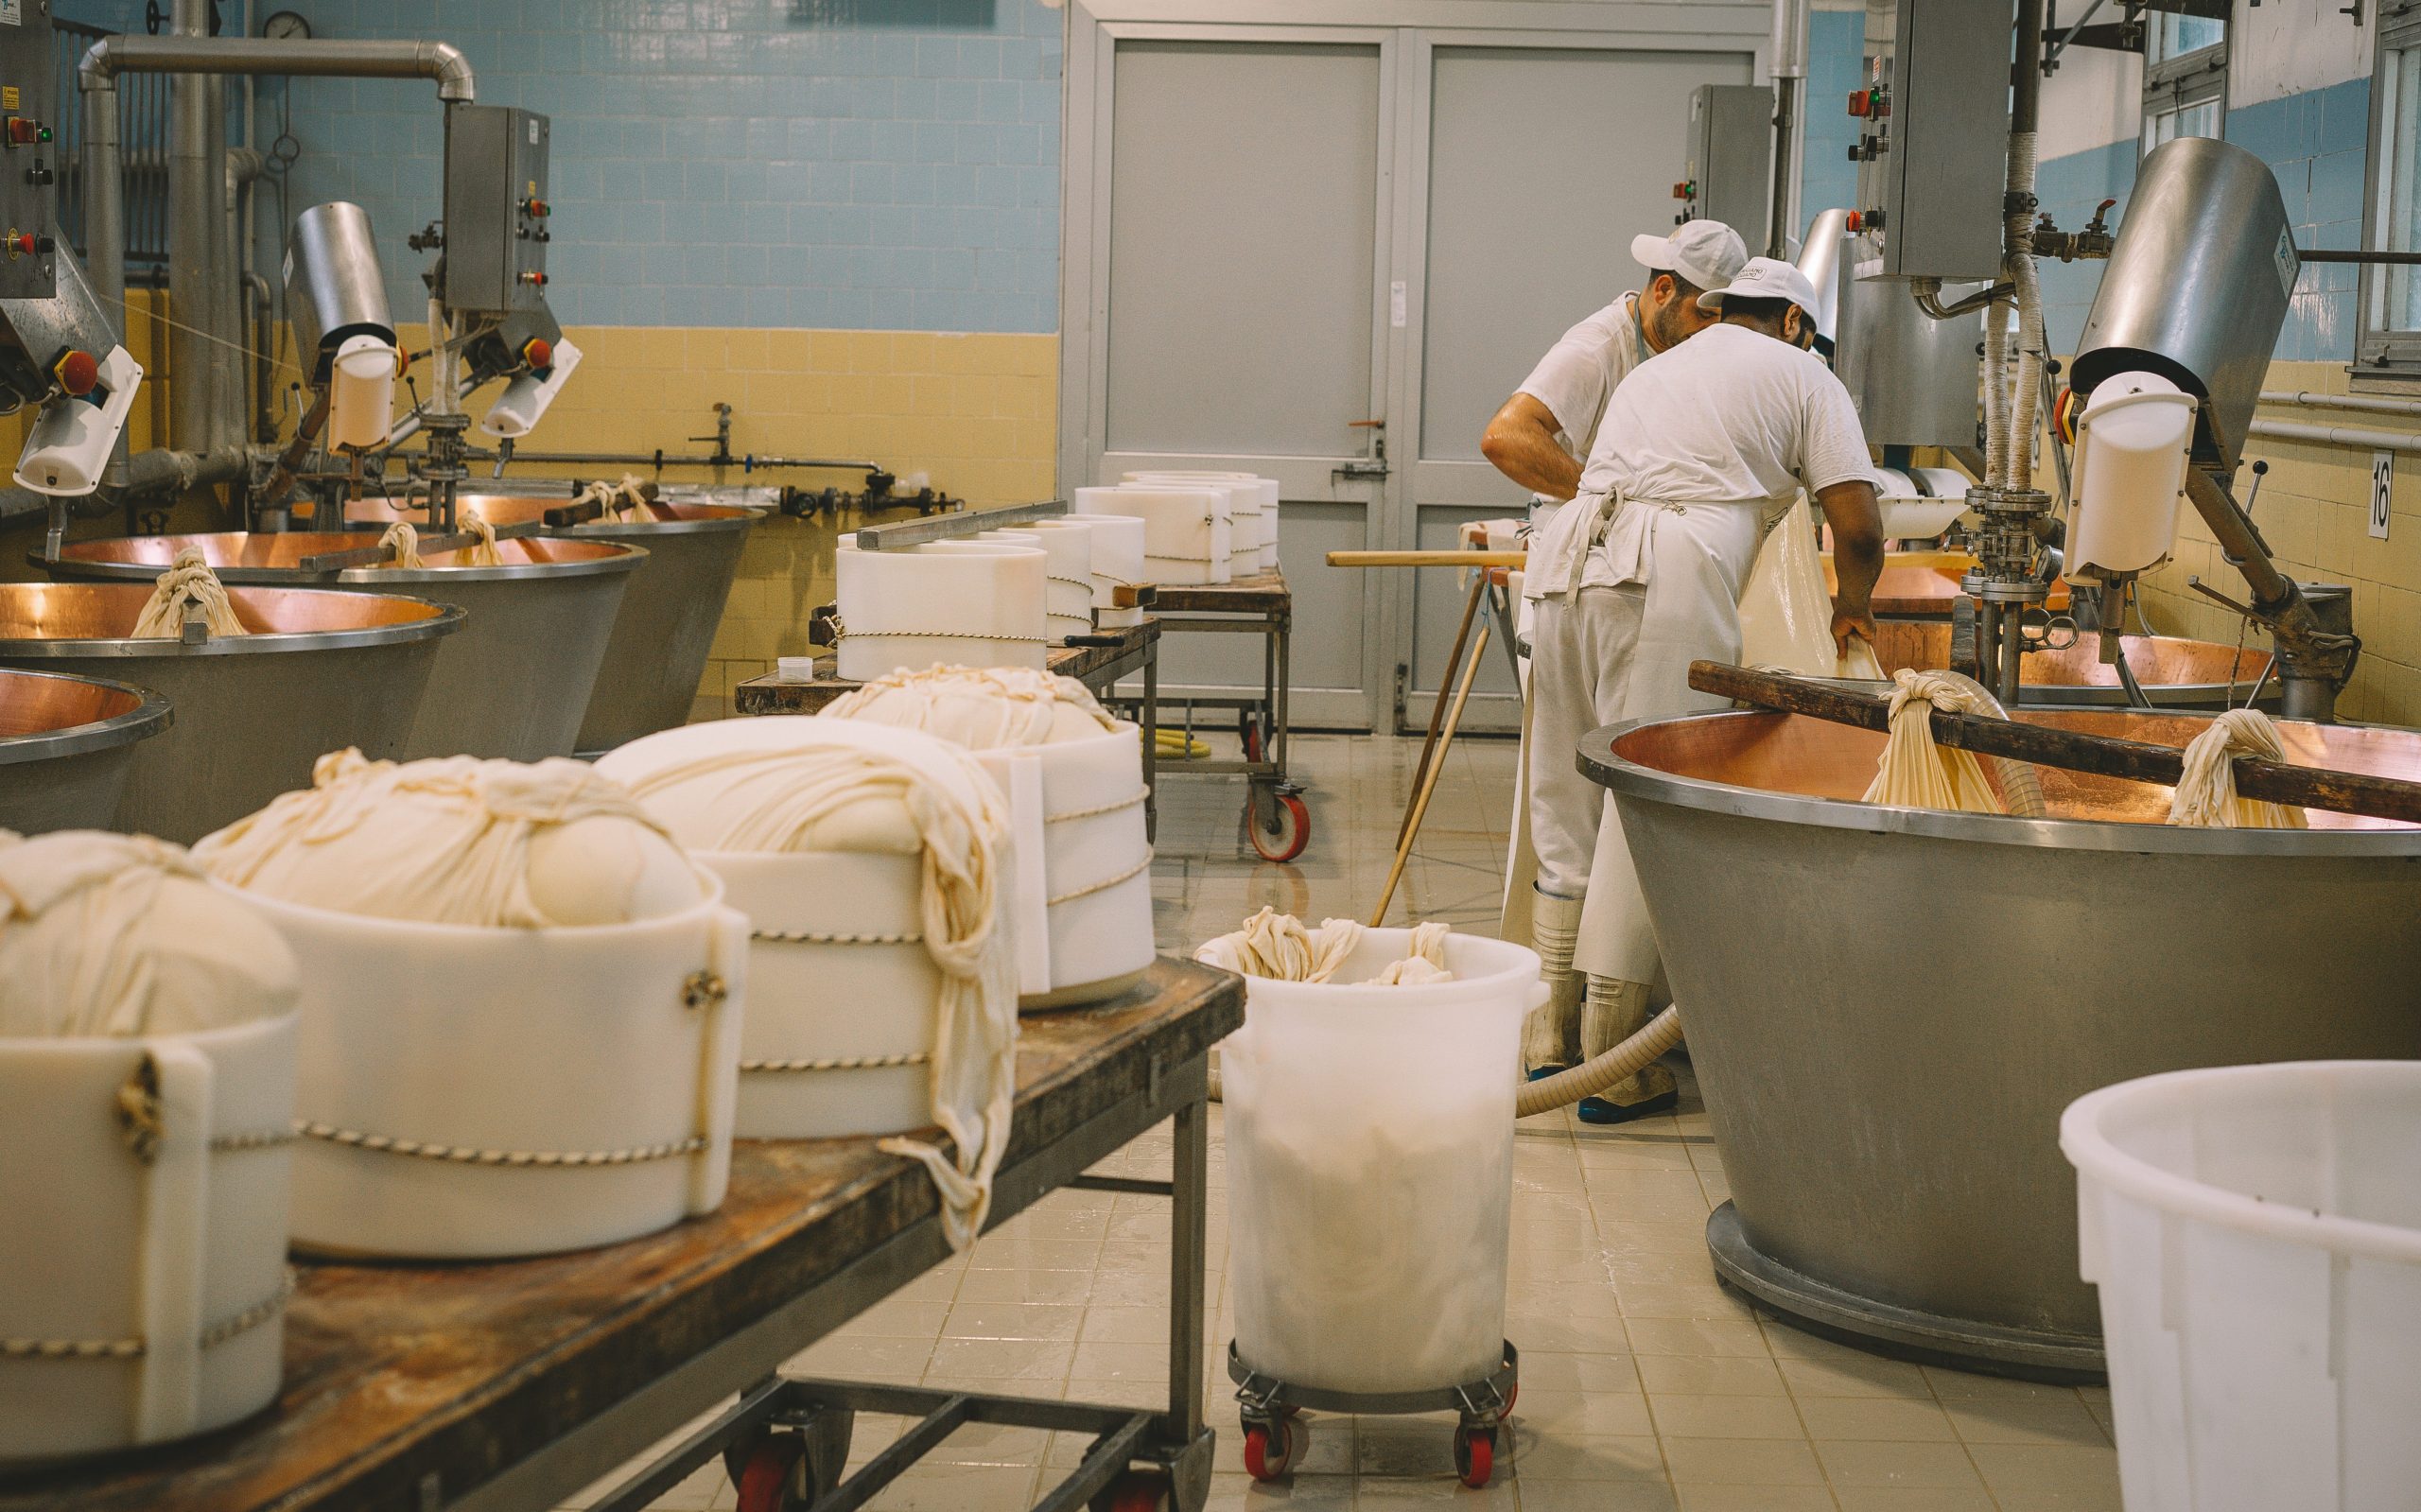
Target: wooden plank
{"x": 954, "y": 526}
{"x": 377, "y": 556}
{"x": 2345, "y": 792}
{"x": 400, "y": 1374}
{"x": 1263, "y": 593}
{"x": 1427, "y": 559}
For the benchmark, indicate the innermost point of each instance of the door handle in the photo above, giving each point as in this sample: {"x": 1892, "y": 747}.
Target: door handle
{"x": 1367, "y": 471}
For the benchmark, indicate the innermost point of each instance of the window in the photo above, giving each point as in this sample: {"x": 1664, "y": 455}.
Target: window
{"x": 2185, "y": 77}
{"x": 2390, "y": 306}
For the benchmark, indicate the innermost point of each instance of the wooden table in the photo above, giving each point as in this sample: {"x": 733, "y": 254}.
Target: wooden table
{"x": 414, "y": 1387}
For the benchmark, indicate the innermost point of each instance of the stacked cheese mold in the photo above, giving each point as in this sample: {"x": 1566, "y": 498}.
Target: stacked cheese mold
{"x": 980, "y": 602}
{"x": 1247, "y": 490}
{"x": 1186, "y": 528}
{"x": 147, "y": 1093}
{"x": 1067, "y": 566}
{"x": 1074, "y": 777}
{"x": 875, "y": 865}
{"x": 520, "y": 1006}
{"x": 1119, "y": 547}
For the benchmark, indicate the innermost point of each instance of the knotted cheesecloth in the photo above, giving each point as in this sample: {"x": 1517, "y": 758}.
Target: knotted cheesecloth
{"x": 622, "y": 500}
{"x": 104, "y": 934}
{"x": 459, "y": 841}
{"x": 983, "y": 708}
{"x": 2206, "y": 796}
{"x": 188, "y": 582}
{"x": 481, "y": 552}
{"x": 407, "y": 543}
{"x": 1915, "y": 772}
{"x": 849, "y": 797}
{"x": 1277, "y": 945}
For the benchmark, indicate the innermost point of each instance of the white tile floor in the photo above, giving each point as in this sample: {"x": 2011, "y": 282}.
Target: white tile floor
{"x": 1644, "y": 1386}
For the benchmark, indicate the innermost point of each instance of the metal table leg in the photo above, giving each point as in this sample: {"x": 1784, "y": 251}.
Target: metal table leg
{"x": 1152, "y": 740}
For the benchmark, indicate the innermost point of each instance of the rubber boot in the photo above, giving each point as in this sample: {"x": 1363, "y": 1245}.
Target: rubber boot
{"x": 1615, "y": 1010}
{"x": 1551, "y": 1036}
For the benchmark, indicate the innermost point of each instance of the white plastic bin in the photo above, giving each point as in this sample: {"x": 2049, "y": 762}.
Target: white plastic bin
{"x": 2255, "y": 1232}
{"x": 1370, "y": 1166}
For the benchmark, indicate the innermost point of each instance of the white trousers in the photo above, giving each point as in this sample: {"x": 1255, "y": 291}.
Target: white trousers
{"x": 1603, "y": 657}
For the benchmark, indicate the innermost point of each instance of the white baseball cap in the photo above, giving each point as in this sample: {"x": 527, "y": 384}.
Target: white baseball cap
{"x": 1707, "y": 253}
{"x": 1765, "y": 278}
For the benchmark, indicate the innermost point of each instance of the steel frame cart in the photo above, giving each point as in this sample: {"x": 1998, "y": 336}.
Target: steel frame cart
{"x": 1276, "y": 817}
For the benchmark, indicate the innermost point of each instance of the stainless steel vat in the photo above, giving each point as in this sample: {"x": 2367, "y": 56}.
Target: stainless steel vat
{"x": 2172, "y": 671}
{"x": 67, "y": 748}
{"x": 658, "y": 649}
{"x": 1888, "y": 1008}
{"x": 514, "y": 684}
{"x": 321, "y": 672}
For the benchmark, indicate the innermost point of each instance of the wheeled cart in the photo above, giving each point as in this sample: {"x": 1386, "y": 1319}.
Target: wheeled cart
{"x": 1275, "y": 816}
{"x": 1275, "y": 1434}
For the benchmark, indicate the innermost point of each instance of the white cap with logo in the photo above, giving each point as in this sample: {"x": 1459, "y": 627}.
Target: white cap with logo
{"x": 1765, "y": 278}
{"x": 1706, "y": 252}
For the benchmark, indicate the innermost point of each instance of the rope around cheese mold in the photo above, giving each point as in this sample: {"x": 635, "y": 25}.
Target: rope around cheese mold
{"x": 2206, "y": 796}
{"x": 973, "y": 1069}
{"x": 189, "y": 582}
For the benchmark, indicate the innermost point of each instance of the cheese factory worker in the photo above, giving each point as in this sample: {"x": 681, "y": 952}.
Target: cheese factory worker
{"x": 1700, "y": 453}
{"x": 1540, "y": 439}
{"x": 1543, "y": 433}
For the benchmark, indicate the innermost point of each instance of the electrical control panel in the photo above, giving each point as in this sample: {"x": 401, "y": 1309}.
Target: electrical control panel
{"x": 498, "y": 220}
{"x": 28, "y": 152}
{"x": 1933, "y": 142}
{"x": 1728, "y": 175}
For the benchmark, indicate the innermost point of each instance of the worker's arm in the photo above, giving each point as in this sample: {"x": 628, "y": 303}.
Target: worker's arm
{"x": 1857, "y": 558}
{"x": 1520, "y": 442}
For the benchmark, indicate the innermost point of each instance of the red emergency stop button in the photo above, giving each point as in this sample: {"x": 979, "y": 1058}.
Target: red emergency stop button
{"x": 538, "y": 209}
{"x": 534, "y": 279}
{"x": 539, "y": 353}
{"x": 77, "y": 371}
{"x": 26, "y": 132}
{"x": 21, "y": 244}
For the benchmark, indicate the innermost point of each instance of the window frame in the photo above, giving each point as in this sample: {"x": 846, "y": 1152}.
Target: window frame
{"x": 2393, "y": 355}
{"x": 2173, "y": 85}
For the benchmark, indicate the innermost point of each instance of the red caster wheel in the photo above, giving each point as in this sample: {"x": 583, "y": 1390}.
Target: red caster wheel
{"x": 1281, "y": 829}
{"x": 1137, "y": 1492}
{"x": 1273, "y": 1450}
{"x": 1252, "y": 740}
{"x": 1512, "y": 1395}
{"x": 1475, "y": 1454}
{"x": 770, "y": 1478}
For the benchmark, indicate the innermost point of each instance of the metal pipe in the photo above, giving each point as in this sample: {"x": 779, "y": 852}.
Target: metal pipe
{"x": 317, "y": 58}
{"x": 105, "y": 236}
{"x": 2305, "y": 398}
{"x": 1789, "y": 52}
{"x": 193, "y": 209}
{"x": 2337, "y": 435}
{"x": 159, "y": 470}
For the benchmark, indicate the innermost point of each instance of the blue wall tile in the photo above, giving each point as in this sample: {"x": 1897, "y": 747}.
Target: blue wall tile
{"x": 1836, "y": 65}
{"x": 776, "y": 163}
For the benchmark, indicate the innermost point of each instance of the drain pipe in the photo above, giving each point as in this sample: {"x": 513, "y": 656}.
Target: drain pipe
{"x": 1790, "y": 50}
{"x": 196, "y": 364}
{"x": 2306, "y": 399}
{"x": 2336, "y": 435}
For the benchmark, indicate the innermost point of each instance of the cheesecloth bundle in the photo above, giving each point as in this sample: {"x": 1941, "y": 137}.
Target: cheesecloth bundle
{"x": 1277, "y": 945}
{"x": 188, "y": 582}
{"x": 481, "y": 552}
{"x": 2206, "y": 796}
{"x": 122, "y": 935}
{"x": 459, "y": 841}
{"x": 983, "y": 708}
{"x": 619, "y": 500}
{"x": 407, "y": 543}
{"x": 1915, "y": 772}
{"x": 842, "y": 797}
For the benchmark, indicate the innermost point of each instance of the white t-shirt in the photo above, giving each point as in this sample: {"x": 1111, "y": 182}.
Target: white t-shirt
{"x": 1731, "y": 417}
{"x": 1579, "y": 372}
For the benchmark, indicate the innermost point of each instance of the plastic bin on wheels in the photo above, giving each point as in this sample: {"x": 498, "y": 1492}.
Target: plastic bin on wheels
{"x": 1369, "y": 1135}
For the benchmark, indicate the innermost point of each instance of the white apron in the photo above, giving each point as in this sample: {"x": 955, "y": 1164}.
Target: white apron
{"x": 1692, "y": 559}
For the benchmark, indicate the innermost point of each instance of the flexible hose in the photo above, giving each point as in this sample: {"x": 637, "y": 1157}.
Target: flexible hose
{"x": 1996, "y": 397}
{"x": 1591, "y": 1077}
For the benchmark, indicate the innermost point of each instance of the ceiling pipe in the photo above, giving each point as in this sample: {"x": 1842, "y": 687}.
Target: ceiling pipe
{"x": 200, "y": 363}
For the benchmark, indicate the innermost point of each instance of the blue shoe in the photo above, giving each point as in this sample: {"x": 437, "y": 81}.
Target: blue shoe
{"x": 1598, "y": 1111}
{"x": 1540, "y": 1073}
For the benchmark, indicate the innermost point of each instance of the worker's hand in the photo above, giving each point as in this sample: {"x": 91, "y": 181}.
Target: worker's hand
{"x": 1848, "y": 622}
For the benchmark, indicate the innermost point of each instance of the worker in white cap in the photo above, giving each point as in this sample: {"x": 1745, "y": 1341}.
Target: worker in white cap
{"x": 1539, "y": 437}
{"x": 1697, "y": 456}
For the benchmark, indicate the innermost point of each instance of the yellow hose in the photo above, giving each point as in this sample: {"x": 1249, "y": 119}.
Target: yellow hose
{"x": 1591, "y": 1077}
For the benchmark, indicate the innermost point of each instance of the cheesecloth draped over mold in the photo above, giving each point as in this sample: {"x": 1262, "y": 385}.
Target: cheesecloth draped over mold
{"x": 188, "y": 582}
{"x": 104, "y": 934}
{"x": 459, "y": 841}
{"x": 2206, "y": 796}
{"x": 983, "y": 708}
{"x": 1278, "y": 945}
{"x": 833, "y": 797}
